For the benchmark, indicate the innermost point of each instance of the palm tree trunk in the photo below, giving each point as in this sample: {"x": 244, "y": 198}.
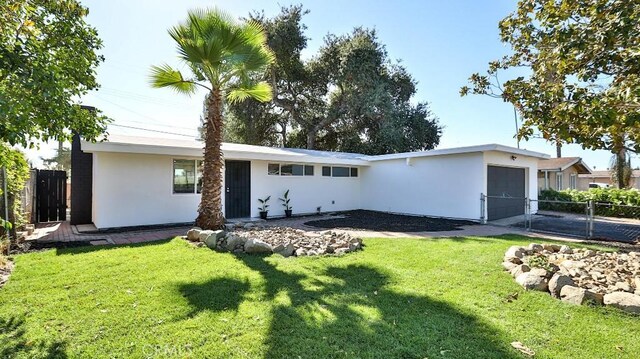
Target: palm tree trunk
{"x": 210, "y": 211}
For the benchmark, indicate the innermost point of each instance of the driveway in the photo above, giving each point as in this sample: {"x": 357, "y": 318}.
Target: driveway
{"x": 604, "y": 228}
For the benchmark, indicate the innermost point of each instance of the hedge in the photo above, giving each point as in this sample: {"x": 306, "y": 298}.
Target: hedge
{"x": 609, "y": 202}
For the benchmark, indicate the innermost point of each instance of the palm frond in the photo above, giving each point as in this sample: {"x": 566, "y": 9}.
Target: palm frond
{"x": 260, "y": 91}
{"x": 223, "y": 51}
{"x": 166, "y": 76}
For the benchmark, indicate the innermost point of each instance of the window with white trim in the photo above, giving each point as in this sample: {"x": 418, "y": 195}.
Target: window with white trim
{"x": 187, "y": 176}
{"x": 289, "y": 169}
{"x": 573, "y": 181}
{"x": 559, "y": 177}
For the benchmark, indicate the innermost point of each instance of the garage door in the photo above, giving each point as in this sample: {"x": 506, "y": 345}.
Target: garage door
{"x": 505, "y": 191}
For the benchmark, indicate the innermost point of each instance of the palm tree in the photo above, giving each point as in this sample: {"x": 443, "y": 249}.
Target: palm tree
{"x": 222, "y": 55}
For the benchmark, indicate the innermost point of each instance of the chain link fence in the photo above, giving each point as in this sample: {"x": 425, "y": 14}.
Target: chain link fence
{"x": 588, "y": 220}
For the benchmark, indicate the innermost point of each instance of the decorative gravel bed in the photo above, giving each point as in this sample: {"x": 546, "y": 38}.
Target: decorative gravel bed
{"x": 255, "y": 239}
{"x": 387, "y": 222}
{"x": 578, "y": 275}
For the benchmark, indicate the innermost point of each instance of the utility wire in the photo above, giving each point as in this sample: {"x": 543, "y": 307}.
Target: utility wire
{"x": 142, "y": 115}
{"x": 150, "y": 130}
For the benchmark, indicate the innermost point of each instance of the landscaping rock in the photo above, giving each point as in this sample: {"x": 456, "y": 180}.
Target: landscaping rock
{"x": 575, "y": 295}
{"x": 557, "y": 282}
{"x": 519, "y": 269}
{"x": 204, "y": 234}
{"x": 622, "y": 300}
{"x": 285, "y": 251}
{"x": 193, "y": 234}
{"x": 234, "y": 241}
{"x": 515, "y": 252}
{"x": 254, "y": 246}
{"x": 535, "y": 247}
{"x": 282, "y": 240}
{"x": 212, "y": 239}
{"x": 551, "y": 247}
{"x": 508, "y": 266}
{"x": 565, "y": 250}
{"x": 532, "y": 281}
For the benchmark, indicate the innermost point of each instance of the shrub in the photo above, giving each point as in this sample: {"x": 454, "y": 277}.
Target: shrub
{"x": 609, "y": 202}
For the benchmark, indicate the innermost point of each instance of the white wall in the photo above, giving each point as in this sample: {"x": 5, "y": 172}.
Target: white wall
{"x": 445, "y": 186}
{"x": 306, "y": 192}
{"x": 137, "y": 189}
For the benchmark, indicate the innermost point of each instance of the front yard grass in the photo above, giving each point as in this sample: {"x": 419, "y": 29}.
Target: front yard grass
{"x": 399, "y": 298}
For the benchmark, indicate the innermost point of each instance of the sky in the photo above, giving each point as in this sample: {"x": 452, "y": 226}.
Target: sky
{"x": 441, "y": 43}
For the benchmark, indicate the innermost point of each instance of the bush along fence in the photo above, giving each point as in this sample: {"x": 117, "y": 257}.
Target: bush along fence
{"x": 607, "y": 202}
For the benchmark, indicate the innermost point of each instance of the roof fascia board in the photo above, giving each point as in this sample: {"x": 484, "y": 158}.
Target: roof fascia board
{"x": 197, "y": 152}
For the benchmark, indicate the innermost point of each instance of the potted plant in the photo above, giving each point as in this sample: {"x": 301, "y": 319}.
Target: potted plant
{"x": 264, "y": 207}
{"x": 285, "y": 203}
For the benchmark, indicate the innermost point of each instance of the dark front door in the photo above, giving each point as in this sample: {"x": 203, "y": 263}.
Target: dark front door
{"x": 505, "y": 191}
{"x": 237, "y": 200}
{"x": 51, "y": 196}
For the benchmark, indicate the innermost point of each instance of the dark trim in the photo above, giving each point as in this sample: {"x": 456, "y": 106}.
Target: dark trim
{"x": 81, "y": 183}
{"x": 145, "y": 227}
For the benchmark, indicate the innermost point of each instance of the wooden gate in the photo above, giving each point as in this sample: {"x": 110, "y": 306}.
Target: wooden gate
{"x": 51, "y": 196}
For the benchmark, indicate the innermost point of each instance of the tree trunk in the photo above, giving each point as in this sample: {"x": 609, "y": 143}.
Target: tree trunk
{"x": 621, "y": 156}
{"x": 311, "y": 140}
{"x": 558, "y": 149}
{"x": 210, "y": 211}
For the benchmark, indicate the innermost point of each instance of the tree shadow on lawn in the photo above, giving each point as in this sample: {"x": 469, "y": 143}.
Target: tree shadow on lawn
{"x": 216, "y": 294}
{"x": 108, "y": 247}
{"x": 13, "y": 342}
{"x": 349, "y": 312}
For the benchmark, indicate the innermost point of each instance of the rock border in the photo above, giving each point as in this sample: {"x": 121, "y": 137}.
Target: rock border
{"x": 285, "y": 241}
{"x": 578, "y": 275}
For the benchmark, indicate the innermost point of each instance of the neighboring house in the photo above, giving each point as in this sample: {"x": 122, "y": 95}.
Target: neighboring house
{"x": 604, "y": 177}
{"x": 133, "y": 181}
{"x": 561, "y": 173}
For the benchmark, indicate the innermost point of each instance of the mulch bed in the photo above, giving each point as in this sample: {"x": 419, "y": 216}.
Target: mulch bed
{"x": 386, "y": 222}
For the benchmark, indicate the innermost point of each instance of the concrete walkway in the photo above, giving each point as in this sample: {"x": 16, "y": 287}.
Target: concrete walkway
{"x": 64, "y": 232}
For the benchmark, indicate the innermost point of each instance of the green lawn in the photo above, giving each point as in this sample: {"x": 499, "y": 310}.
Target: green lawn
{"x": 399, "y": 298}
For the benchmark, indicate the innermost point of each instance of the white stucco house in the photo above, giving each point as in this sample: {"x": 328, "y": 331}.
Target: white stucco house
{"x": 136, "y": 181}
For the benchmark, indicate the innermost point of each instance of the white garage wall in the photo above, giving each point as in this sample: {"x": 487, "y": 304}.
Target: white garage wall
{"x": 530, "y": 164}
{"x": 137, "y": 189}
{"x": 445, "y": 186}
{"x": 306, "y": 192}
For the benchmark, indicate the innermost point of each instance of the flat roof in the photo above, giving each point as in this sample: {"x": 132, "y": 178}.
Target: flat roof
{"x": 460, "y": 150}
{"x": 193, "y": 148}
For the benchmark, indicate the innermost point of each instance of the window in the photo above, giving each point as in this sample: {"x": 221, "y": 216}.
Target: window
{"x": 291, "y": 170}
{"x": 187, "y": 176}
{"x": 274, "y": 169}
{"x": 198, "y": 176}
{"x": 277, "y": 169}
{"x": 328, "y": 171}
{"x": 573, "y": 181}
{"x": 308, "y": 170}
{"x": 340, "y": 172}
{"x": 558, "y": 181}
{"x": 184, "y": 176}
